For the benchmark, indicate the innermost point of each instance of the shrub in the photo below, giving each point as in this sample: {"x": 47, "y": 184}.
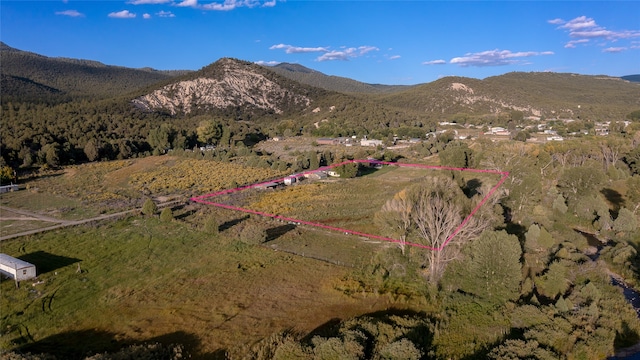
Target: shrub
{"x": 149, "y": 208}
{"x": 166, "y": 215}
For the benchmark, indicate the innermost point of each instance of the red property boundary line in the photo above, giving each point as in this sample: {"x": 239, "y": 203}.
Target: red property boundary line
{"x": 203, "y": 200}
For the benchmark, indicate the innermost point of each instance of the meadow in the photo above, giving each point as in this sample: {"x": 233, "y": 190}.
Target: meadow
{"x": 140, "y": 279}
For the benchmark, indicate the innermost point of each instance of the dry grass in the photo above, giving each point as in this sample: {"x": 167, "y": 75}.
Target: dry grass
{"x": 142, "y": 280}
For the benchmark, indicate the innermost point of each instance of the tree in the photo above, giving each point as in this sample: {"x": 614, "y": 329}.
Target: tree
{"x": 166, "y": 215}
{"x": 490, "y": 268}
{"x": 51, "y": 154}
{"x": 149, "y": 207}
{"x": 209, "y": 132}
{"x": 579, "y": 180}
{"x": 92, "y": 149}
{"x": 437, "y": 215}
{"x": 395, "y": 218}
{"x": 162, "y": 137}
{"x": 7, "y": 175}
{"x": 633, "y": 192}
{"x": 457, "y": 155}
{"x": 626, "y": 221}
{"x": 632, "y": 159}
{"x": 348, "y": 171}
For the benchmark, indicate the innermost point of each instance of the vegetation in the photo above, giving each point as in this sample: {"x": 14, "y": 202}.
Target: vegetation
{"x": 534, "y": 273}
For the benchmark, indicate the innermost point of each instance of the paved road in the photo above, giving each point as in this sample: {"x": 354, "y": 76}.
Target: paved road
{"x": 64, "y": 223}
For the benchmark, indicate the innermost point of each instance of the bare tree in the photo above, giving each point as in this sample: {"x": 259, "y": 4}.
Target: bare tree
{"x": 441, "y": 224}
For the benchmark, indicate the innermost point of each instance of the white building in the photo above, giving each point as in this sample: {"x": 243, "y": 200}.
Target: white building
{"x": 366, "y": 142}
{"x": 16, "y": 269}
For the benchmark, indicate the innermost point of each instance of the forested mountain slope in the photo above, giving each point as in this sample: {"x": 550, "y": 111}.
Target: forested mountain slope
{"x": 315, "y": 78}
{"x": 28, "y": 76}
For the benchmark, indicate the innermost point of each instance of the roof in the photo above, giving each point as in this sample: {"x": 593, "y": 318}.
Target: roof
{"x": 14, "y": 263}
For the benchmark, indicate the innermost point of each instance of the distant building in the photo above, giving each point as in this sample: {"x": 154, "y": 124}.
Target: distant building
{"x": 8, "y": 188}
{"x": 16, "y": 269}
{"x": 367, "y": 142}
{"x": 316, "y": 175}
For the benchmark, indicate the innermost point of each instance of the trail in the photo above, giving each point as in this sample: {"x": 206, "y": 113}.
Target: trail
{"x": 65, "y": 223}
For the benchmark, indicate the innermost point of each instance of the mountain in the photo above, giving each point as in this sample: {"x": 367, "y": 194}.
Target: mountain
{"x": 541, "y": 94}
{"x": 315, "y": 78}
{"x": 29, "y": 76}
{"x": 231, "y": 86}
{"x": 632, "y": 78}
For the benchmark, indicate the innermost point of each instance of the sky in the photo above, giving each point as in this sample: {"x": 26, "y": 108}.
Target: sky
{"x": 381, "y": 42}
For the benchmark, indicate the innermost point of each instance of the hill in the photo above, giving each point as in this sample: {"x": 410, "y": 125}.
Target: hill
{"x": 632, "y": 78}
{"x": 230, "y": 86}
{"x": 315, "y": 78}
{"x": 29, "y": 76}
{"x": 534, "y": 94}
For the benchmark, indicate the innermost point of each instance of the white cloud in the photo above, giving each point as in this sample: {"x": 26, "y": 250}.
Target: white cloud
{"x": 572, "y": 44}
{"x": 124, "y": 14}
{"x": 267, "y": 63}
{"x": 290, "y": 49}
{"x": 394, "y": 57}
{"x": 226, "y": 5}
{"x": 346, "y": 53}
{"x": 582, "y": 29}
{"x": 165, "y": 14}
{"x": 328, "y": 55}
{"x": 188, "y": 3}
{"x": 71, "y": 13}
{"x": 581, "y": 22}
{"x": 146, "y": 16}
{"x": 614, "y": 49}
{"x": 495, "y": 58}
{"x": 146, "y": 2}
{"x": 434, "y": 62}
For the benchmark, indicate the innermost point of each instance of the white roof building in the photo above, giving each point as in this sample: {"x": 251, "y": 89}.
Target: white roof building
{"x": 16, "y": 269}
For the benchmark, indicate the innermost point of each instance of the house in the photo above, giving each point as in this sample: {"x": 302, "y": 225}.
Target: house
{"x": 292, "y": 179}
{"x": 367, "y": 142}
{"x": 16, "y": 269}
{"x": 8, "y": 188}
{"x": 333, "y": 173}
{"x": 316, "y": 175}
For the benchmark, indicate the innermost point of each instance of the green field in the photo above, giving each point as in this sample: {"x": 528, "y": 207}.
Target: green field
{"x": 140, "y": 279}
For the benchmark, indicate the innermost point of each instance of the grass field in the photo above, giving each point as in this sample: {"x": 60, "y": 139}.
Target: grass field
{"x": 139, "y": 279}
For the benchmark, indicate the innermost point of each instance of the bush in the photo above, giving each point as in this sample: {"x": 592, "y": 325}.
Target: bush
{"x": 166, "y": 215}
{"x": 149, "y": 208}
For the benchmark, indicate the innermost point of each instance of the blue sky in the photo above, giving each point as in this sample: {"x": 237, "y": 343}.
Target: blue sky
{"x": 388, "y": 42}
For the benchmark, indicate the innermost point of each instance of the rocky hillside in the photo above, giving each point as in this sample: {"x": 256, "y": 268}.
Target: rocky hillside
{"x": 228, "y": 85}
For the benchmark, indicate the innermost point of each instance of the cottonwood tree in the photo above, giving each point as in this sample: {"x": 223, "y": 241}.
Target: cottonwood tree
{"x": 395, "y": 218}
{"x": 437, "y": 214}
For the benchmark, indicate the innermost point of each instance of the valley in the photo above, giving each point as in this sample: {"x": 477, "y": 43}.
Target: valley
{"x": 117, "y": 156}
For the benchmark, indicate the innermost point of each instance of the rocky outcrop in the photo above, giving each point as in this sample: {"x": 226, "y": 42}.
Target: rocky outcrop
{"x": 233, "y": 85}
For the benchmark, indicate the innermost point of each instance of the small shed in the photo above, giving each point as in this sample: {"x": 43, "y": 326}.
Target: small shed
{"x": 16, "y": 269}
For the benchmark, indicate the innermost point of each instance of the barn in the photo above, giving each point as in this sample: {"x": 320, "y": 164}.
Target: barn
{"x": 16, "y": 269}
